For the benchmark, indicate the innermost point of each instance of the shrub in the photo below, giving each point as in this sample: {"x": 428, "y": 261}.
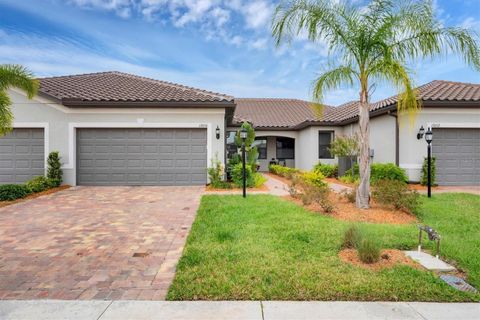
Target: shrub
{"x": 39, "y": 184}
{"x": 349, "y": 194}
{"x": 424, "y": 176}
{"x": 282, "y": 171}
{"x": 368, "y": 250}
{"x": 215, "y": 173}
{"x": 352, "y": 237}
{"x": 258, "y": 180}
{"x": 10, "y": 192}
{"x": 54, "y": 170}
{"x": 396, "y": 194}
{"x": 328, "y": 170}
{"x": 309, "y": 187}
{"x": 344, "y": 146}
{"x": 390, "y": 171}
{"x": 237, "y": 176}
{"x": 349, "y": 179}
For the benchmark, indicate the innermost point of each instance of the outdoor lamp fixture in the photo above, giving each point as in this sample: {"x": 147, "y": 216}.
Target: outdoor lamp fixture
{"x": 420, "y": 133}
{"x": 429, "y": 138}
{"x": 217, "y": 133}
{"x": 243, "y": 136}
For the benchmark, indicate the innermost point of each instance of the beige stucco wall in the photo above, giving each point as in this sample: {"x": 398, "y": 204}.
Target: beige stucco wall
{"x": 413, "y": 151}
{"x": 382, "y": 137}
{"x": 60, "y": 122}
{"x": 308, "y": 147}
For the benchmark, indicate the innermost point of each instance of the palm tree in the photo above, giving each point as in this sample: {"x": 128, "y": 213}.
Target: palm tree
{"x": 13, "y": 75}
{"x": 371, "y": 44}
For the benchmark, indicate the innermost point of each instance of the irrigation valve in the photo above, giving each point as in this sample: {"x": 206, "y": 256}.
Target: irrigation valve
{"x": 432, "y": 236}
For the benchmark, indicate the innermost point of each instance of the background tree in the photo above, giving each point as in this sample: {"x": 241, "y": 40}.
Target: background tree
{"x": 372, "y": 44}
{"x": 251, "y": 151}
{"x": 12, "y": 75}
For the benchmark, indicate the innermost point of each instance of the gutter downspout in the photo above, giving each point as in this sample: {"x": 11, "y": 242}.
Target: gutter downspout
{"x": 397, "y": 138}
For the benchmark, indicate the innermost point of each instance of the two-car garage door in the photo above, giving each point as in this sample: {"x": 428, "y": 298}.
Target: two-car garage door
{"x": 141, "y": 156}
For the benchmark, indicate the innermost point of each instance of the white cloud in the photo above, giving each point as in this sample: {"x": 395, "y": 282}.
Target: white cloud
{"x": 258, "y": 14}
{"x": 121, "y": 7}
{"x": 471, "y": 23}
{"x": 259, "y": 44}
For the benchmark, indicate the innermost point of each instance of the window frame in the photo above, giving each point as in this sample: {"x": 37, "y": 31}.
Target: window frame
{"x": 332, "y": 137}
{"x": 276, "y": 148}
{"x": 266, "y": 148}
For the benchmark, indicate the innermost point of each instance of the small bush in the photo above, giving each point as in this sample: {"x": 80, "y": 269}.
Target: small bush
{"x": 349, "y": 194}
{"x": 237, "y": 176}
{"x": 396, "y": 194}
{"x": 215, "y": 173}
{"x": 368, "y": 250}
{"x": 387, "y": 171}
{"x": 39, "y": 184}
{"x": 258, "y": 180}
{"x": 328, "y": 170}
{"x": 282, "y": 171}
{"x": 349, "y": 179}
{"x": 310, "y": 189}
{"x": 424, "y": 176}
{"x": 54, "y": 170}
{"x": 10, "y": 192}
{"x": 352, "y": 237}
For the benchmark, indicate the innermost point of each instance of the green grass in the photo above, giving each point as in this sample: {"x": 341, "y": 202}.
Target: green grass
{"x": 267, "y": 248}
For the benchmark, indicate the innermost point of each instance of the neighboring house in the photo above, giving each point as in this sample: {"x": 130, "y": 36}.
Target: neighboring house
{"x": 113, "y": 128}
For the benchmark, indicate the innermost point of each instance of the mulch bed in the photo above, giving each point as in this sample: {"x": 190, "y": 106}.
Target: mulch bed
{"x": 388, "y": 259}
{"x": 34, "y": 195}
{"x": 347, "y": 211}
{"x": 262, "y": 188}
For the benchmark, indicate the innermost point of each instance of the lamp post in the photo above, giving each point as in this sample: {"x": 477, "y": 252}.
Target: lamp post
{"x": 243, "y": 136}
{"x": 429, "y": 138}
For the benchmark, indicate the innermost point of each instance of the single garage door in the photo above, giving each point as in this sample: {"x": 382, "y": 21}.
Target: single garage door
{"x": 141, "y": 157}
{"x": 22, "y": 155}
{"x": 457, "y": 153}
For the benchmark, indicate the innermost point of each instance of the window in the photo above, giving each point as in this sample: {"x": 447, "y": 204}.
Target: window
{"x": 261, "y": 144}
{"x": 324, "y": 141}
{"x": 285, "y": 148}
{"x": 231, "y": 146}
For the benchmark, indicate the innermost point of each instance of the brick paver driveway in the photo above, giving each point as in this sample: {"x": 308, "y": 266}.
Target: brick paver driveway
{"x": 95, "y": 242}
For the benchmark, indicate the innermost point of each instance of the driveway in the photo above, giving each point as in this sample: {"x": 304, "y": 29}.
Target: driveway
{"x": 95, "y": 242}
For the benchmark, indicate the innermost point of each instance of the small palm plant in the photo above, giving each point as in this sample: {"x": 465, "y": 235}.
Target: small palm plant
{"x": 12, "y": 75}
{"x": 371, "y": 44}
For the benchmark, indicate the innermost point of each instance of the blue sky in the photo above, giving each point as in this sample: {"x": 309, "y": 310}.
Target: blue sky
{"x": 219, "y": 45}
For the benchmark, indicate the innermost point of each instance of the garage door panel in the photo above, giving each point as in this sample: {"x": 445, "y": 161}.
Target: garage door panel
{"x": 457, "y": 153}
{"x": 141, "y": 156}
{"x": 22, "y": 155}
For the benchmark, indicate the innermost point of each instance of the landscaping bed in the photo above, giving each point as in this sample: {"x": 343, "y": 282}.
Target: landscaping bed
{"x": 34, "y": 195}
{"x": 266, "y": 248}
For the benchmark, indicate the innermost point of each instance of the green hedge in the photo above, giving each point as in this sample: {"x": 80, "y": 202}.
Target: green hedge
{"x": 10, "y": 192}
{"x": 328, "y": 170}
{"x": 282, "y": 171}
{"x": 424, "y": 176}
{"x": 39, "y": 184}
{"x": 380, "y": 171}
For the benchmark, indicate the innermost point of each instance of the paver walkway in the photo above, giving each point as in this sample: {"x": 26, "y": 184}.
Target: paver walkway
{"x": 80, "y": 243}
{"x": 235, "y": 310}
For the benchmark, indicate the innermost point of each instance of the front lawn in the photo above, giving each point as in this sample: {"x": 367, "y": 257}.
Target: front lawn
{"x": 266, "y": 248}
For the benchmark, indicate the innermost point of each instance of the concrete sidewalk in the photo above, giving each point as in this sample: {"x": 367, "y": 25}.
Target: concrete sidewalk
{"x": 233, "y": 310}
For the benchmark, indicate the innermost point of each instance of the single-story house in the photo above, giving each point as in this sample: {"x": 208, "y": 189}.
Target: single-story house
{"x": 113, "y": 128}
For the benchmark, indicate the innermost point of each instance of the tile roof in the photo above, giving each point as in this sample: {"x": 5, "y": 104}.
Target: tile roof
{"x": 276, "y": 113}
{"x": 291, "y": 113}
{"x": 116, "y": 86}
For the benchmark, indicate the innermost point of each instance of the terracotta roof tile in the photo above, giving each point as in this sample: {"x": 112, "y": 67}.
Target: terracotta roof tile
{"x": 277, "y": 113}
{"x": 116, "y": 86}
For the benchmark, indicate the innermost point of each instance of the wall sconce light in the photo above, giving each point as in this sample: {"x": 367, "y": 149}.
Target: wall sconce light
{"x": 420, "y": 133}
{"x": 217, "y": 133}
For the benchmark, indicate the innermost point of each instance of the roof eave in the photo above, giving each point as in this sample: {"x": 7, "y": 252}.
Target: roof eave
{"x": 75, "y": 103}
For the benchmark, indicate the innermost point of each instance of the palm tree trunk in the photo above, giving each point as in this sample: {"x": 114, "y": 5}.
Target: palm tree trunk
{"x": 363, "y": 190}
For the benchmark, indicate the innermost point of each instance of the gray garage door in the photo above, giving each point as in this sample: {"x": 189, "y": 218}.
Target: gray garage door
{"x": 22, "y": 155}
{"x": 141, "y": 156}
{"x": 457, "y": 153}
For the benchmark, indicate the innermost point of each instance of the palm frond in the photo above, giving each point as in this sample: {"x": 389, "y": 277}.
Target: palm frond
{"x": 6, "y": 116}
{"x": 333, "y": 79}
{"x": 13, "y": 75}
